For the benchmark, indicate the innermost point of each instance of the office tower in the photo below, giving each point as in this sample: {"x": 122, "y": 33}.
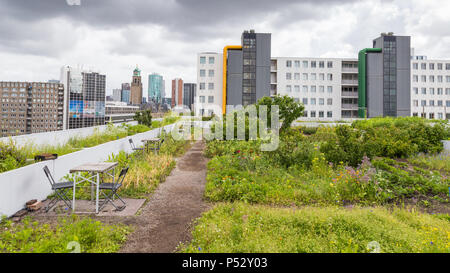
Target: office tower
{"x": 248, "y": 69}
{"x": 189, "y": 90}
{"x": 177, "y": 92}
{"x": 84, "y": 99}
{"x": 126, "y": 93}
{"x": 117, "y": 94}
{"x": 243, "y": 75}
{"x": 155, "y": 88}
{"x": 31, "y": 107}
{"x": 136, "y": 88}
{"x": 385, "y": 77}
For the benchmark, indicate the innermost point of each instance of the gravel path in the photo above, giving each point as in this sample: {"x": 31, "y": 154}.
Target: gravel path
{"x": 166, "y": 219}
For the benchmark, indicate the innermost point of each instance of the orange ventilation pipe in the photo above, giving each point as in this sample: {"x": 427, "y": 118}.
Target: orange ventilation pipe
{"x": 224, "y": 81}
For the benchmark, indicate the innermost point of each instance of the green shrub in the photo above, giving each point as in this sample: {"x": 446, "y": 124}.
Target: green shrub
{"x": 33, "y": 237}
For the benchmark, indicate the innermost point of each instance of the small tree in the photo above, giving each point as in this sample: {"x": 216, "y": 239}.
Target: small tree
{"x": 289, "y": 109}
{"x": 144, "y": 117}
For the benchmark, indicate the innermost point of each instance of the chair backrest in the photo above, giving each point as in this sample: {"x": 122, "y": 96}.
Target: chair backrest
{"x": 122, "y": 175}
{"x": 49, "y": 176}
{"x": 131, "y": 143}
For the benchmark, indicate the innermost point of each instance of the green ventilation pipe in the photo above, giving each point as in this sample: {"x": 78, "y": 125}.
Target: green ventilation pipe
{"x": 362, "y": 83}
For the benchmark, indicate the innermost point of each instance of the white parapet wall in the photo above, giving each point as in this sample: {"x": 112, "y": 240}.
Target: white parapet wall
{"x": 23, "y": 184}
{"x": 56, "y": 137}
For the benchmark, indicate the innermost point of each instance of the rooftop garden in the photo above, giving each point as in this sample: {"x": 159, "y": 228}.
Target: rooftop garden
{"x": 343, "y": 187}
{"x": 13, "y": 157}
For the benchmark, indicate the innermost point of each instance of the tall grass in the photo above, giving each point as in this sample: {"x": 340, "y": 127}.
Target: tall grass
{"x": 238, "y": 227}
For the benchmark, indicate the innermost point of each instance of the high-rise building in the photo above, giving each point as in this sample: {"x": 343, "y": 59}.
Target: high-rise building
{"x": 155, "y": 88}
{"x": 117, "y": 94}
{"x": 385, "y": 77}
{"x": 189, "y": 90}
{"x": 244, "y": 75}
{"x": 136, "y": 88}
{"x": 126, "y": 93}
{"x": 177, "y": 92}
{"x": 85, "y": 98}
{"x": 31, "y": 107}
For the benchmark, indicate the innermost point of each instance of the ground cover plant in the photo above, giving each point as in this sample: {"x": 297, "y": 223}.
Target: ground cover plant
{"x": 239, "y": 227}
{"x": 30, "y": 236}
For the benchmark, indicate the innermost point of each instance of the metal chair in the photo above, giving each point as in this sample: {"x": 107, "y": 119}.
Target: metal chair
{"x": 133, "y": 147}
{"x": 113, "y": 187}
{"x": 59, "y": 189}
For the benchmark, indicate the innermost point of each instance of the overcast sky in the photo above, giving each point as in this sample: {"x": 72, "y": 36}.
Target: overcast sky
{"x": 38, "y": 37}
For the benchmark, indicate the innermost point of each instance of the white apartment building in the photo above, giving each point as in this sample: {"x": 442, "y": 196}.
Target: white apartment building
{"x": 208, "y": 98}
{"x": 328, "y": 87}
{"x": 430, "y": 84}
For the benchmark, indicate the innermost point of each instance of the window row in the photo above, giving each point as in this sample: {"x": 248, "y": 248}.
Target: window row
{"x": 203, "y": 73}
{"x": 312, "y": 114}
{"x": 431, "y": 91}
{"x": 313, "y": 76}
{"x": 431, "y": 103}
{"x": 202, "y": 99}
{"x": 431, "y": 66}
{"x": 320, "y": 101}
{"x": 202, "y": 86}
{"x": 203, "y": 60}
{"x": 312, "y": 88}
{"x": 431, "y": 115}
{"x": 311, "y": 64}
{"x": 431, "y": 78}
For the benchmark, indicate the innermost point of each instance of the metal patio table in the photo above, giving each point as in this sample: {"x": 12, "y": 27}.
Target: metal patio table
{"x": 156, "y": 142}
{"x": 94, "y": 170}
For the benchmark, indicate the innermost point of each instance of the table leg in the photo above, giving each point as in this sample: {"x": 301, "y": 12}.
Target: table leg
{"x": 74, "y": 186}
{"x": 92, "y": 188}
{"x": 98, "y": 187}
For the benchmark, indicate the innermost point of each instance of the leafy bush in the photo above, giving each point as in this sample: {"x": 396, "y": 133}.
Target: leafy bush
{"x": 11, "y": 157}
{"x": 289, "y": 109}
{"x": 144, "y": 117}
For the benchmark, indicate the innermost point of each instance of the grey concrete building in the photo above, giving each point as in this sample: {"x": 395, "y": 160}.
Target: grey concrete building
{"x": 386, "y": 73}
{"x": 189, "y": 91}
{"x": 248, "y": 69}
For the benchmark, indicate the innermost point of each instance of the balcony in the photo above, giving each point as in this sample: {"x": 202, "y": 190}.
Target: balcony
{"x": 350, "y": 82}
{"x": 349, "y": 106}
{"x": 349, "y": 94}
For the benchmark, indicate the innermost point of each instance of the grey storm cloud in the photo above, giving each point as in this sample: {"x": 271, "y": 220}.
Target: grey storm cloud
{"x": 28, "y": 26}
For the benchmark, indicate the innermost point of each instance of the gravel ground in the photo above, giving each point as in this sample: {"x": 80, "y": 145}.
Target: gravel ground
{"x": 166, "y": 219}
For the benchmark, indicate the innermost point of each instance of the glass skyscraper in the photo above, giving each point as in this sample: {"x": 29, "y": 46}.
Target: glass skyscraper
{"x": 155, "y": 88}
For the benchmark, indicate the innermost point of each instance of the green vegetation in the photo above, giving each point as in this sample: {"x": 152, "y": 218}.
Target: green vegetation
{"x": 33, "y": 237}
{"x": 146, "y": 171}
{"x": 289, "y": 109}
{"x": 13, "y": 157}
{"x": 144, "y": 117}
{"x": 334, "y": 180}
{"x": 238, "y": 227}
{"x": 440, "y": 162}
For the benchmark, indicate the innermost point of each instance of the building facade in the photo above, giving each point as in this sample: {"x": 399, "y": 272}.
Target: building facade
{"x": 327, "y": 87}
{"x": 209, "y": 95}
{"x": 31, "y": 107}
{"x": 117, "y": 112}
{"x": 430, "y": 83}
{"x": 136, "y": 88}
{"x": 155, "y": 88}
{"x": 177, "y": 92}
{"x": 117, "y": 94}
{"x": 189, "y": 90}
{"x": 84, "y": 100}
{"x": 385, "y": 74}
{"x": 126, "y": 93}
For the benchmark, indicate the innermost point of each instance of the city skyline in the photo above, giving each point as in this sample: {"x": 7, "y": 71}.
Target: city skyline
{"x": 170, "y": 47}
